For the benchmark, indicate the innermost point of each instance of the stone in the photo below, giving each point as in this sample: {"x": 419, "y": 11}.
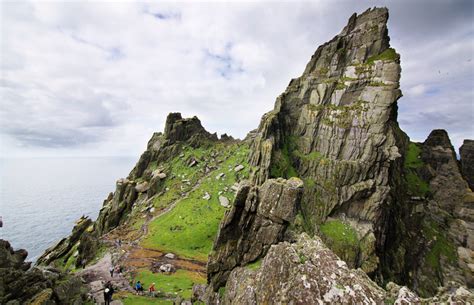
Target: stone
{"x": 167, "y": 268}
{"x": 224, "y": 201}
{"x": 170, "y": 255}
{"x": 206, "y": 196}
{"x": 220, "y": 175}
{"x": 238, "y": 168}
{"x": 142, "y": 187}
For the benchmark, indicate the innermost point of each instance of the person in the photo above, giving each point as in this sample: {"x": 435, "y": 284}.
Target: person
{"x": 111, "y": 270}
{"x": 138, "y": 287}
{"x": 108, "y": 292}
{"x": 152, "y": 289}
{"x": 107, "y": 296}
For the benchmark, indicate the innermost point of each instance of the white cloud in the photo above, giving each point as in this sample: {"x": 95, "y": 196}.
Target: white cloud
{"x": 98, "y": 78}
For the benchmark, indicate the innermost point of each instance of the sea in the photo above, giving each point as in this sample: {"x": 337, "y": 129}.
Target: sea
{"x": 41, "y": 198}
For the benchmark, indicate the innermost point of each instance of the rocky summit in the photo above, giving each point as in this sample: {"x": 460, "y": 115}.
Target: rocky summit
{"x": 327, "y": 202}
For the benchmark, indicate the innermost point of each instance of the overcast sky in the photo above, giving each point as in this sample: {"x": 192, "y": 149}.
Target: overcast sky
{"x": 98, "y": 78}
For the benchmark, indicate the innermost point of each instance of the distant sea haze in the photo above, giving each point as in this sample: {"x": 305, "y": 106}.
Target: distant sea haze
{"x": 41, "y": 198}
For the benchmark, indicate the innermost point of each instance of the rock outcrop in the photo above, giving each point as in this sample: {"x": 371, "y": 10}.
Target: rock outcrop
{"x": 466, "y": 152}
{"x": 63, "y": 248}
{"x": 335, "y": 127}
{"x": 442, "y": 210}
{"x": 20, "y": 284}
{"x": 258, "y": 219}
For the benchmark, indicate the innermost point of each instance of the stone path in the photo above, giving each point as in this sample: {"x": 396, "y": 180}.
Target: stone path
{"x": 98, "y": 274}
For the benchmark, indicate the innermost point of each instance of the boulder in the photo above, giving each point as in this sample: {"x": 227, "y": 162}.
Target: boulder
{"x": 170, "y": 255}
{"x": 167, "y": 268}
{"x": 238, "y": 168}
{"x": 258, "y": 218}
{"x": 224, "y": 201}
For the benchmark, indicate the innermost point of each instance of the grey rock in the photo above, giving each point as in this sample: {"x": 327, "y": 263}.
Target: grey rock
{"x": 238, "y": 168}
{"x": 258, "y": 218}
{"x": 224, "y": 201}
{"x": 170, "y": 255}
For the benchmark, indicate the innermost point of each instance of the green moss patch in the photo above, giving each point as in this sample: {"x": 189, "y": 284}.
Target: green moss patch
{"x": 388, "y": 54}
{"x": 441, "y": 246}
{"x": 341, "y": 238}
{"x": 415, "y": 184}
{"x": 254, "y": 265}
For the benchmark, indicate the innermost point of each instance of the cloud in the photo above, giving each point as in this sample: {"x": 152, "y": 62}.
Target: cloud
{"x": 98, "y": 78}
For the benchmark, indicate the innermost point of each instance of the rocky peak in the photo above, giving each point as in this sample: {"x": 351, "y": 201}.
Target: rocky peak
{"x": 179, "y": 129}
{"x": 438, "y": 151}
{"x": 467, "y": 161}
{"x": 335, "y": 127}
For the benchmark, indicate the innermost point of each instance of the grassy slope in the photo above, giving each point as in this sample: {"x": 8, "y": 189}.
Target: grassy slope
{"x": 189, "y": 229}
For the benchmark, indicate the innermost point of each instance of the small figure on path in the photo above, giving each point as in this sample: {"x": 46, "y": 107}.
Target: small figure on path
{"x": 111, "y": 270}
{"x": 152, "y": 289}
{"x": 138, "y": 287}
{"x": 83, "y": 263}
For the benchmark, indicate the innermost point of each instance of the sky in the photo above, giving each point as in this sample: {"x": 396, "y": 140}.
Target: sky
{"x": 98, "y": 78}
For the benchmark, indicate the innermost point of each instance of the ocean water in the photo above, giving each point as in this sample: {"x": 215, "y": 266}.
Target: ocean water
{"x": 41, "y": 198}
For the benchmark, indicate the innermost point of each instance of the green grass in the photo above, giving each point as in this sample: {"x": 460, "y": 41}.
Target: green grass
{"x": 255, "y": 265}
{"x": 441, "y": 246}
{"x": 179, "y": 283}
{"x": 388, "y": 54}
{"x": 282, "y": 164}
{"x": 189, "y": 228}
{"x": 415, "y": 184}
{"x": 341, "y": 238}
{"x": 339, "y": 232}
{"x": 131, "y": 299}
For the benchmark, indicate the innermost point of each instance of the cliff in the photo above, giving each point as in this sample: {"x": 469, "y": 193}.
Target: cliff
{"x": 327, "y": 201}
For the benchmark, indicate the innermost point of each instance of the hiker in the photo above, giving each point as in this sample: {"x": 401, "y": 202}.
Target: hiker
{"x": 108, "y": 292}
{"x": 111, "y": 270}
{"x": 138, "y": 287}
{"x": 151, "y": 290}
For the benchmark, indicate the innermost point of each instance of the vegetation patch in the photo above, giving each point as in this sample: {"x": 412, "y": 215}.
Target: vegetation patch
{"x": 341, "y": 238}
{"x": 254, "y": 265}
{"x": 440, "y": 247}
{"x": 388, "y": 54}
{"x": 190, "y": 227}
{"x": 179, "y": 283}
{"x": 415, "y": 184}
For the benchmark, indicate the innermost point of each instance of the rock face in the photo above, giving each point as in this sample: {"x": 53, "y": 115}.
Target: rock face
{"x": 305, "y": 272}
{"x": 467, "y": 161}
{"x": 21, "y": 285}
{"x": 61, "y": 249}
{"x": 258, "y": 218}
{"x": 443, "y": 212}
{"x": 335, "y": 127}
